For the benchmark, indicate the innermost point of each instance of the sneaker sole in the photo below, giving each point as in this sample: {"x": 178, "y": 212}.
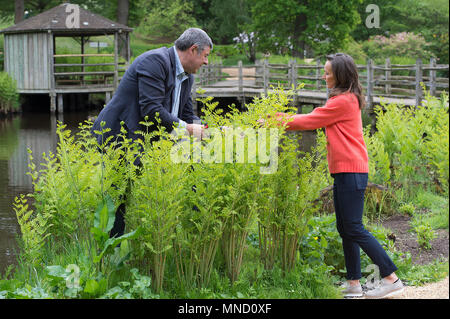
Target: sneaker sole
{"x": 353, "y": 295}
{"x": 391, "y": 294}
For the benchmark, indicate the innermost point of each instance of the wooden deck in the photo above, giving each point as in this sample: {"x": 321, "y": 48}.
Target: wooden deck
{"x": 230, "y": 89}
{"x": 401, "y": 84}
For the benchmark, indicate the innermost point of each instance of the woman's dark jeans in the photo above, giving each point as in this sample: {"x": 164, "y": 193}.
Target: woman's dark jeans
{"x": 348, "y": 191}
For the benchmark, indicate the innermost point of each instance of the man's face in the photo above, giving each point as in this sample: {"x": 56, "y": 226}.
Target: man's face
{"x": 196, "y": 59}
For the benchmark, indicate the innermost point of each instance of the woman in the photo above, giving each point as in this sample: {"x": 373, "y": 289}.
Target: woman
{"x": 348, "y": 165}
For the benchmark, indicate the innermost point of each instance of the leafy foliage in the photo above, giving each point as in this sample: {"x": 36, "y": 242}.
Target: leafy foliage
{"x": 9, "y": 98}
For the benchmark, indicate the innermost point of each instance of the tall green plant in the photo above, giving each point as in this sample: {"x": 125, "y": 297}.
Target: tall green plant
{"x": 156, "y": 200}
{"x": 9, "y": 98}
{"x": 201, "y": 225}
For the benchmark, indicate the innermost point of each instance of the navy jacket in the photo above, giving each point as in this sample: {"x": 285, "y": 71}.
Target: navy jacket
{"x": 146, "y": 89}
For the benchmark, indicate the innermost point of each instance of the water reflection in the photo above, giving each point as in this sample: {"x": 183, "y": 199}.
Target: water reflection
{"x": 36, "y": 131}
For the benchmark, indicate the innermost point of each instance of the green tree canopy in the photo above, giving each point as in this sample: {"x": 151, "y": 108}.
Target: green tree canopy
{"x": 165, "y": 20}
{"x": 430, "y": 18}
{"x": 296, "y": 25}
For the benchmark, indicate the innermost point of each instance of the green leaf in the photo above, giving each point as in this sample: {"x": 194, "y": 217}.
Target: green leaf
{"x": 99, "y": 235}
{"x": 57, "y": 273}
{"x": 113, "y": 242}
{"x": 105, "y": 214}
{"x": 91, "y": 287}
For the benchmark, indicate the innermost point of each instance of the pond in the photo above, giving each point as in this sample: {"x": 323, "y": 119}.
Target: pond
{"x": 36, "y": 131}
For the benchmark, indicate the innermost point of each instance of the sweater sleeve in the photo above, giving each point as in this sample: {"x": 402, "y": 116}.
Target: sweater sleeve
{"x": 335, "y": 110}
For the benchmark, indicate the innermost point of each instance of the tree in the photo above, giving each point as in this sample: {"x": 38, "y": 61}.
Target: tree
{"x": 122, "y": 11}
{"x": 228, "y": 19}
{"x": 429, "y": 18}
{"x": 19, "y": 9}
{"x": 167, "y": 19}
{"x": 295, "y": 25}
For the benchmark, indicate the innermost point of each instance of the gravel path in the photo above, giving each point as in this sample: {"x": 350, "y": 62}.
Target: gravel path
{"x": 437, "y": 290}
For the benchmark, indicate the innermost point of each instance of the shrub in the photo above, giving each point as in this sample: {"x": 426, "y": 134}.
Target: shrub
{"x": 404, "y": 44}
{"x": 424, "y": 235}
{"x": 9, "y": 98}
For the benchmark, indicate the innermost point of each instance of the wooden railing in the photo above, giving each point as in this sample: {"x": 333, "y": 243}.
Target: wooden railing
{"x": 105, "y": 74}
{"x": 388, "y": 80}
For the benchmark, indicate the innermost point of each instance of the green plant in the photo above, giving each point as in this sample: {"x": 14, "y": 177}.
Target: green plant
{"x": 103, "y": 223}
{"x": 34, "y": 229}
{"x": 425, "y": 235}
{"x": 9, "y": 98}
{"x": 406, "y": 44}
{"x": 407, "y": 208}
{"x": 409, "y": 145}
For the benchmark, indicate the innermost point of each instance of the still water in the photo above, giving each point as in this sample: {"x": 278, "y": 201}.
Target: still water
{"x": 36, "y": 131}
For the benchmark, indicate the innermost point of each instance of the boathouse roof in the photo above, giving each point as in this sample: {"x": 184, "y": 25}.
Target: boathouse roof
{"x": 54, "y": 20}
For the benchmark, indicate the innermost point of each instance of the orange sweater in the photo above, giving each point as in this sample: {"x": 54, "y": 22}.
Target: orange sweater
{"x": 341, "y": 118}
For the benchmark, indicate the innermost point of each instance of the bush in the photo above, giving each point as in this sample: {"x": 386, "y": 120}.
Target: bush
{"x": 409, "y": 149}
{"x": 9, "y": 98}
{"x": 404, "y": 44}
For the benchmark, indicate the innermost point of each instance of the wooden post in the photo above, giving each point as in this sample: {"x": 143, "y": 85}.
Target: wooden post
{"x": 432, "y": 77}
{"x": 128, "y": 49}
{"x": 60, "y": 103}
{"x": 241, "y": 81}
{"x": 369, "y": 84}
{"x": 52, "y": 103}
{"x": 257, "y": 72}
{"x": 318, "y": 74}
{"x": 116, "y": 61}
{"x": 208, "y": 74}
{"x": 82, "y": 60}
{"x": 293, "y": 79}
{"x": 107, "y": 97}
{"x": 266, "y": 76}
{"x": 419, "y": 79}
{"x": 387, "y": 76}
{"x": 51, "y": 63}
{"x": 200, "y": 77}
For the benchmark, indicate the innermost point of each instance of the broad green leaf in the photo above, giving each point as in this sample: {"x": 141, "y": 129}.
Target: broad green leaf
{"x": 105, "y": 214}
{"x": 113, "y": 242}
{"x": 91, "y": 287}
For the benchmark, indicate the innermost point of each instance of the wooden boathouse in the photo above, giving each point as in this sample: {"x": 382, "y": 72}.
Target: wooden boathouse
{"x": 31, "y": 58}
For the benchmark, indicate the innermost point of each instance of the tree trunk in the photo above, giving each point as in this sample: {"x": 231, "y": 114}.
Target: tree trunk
{"x": 19, "y": 8}
{"x": 122, "y": 11}
{"x": 298, "y": 49}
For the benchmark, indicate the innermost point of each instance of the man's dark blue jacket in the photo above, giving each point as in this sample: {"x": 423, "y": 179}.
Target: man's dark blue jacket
{"x": 146, "y": 89}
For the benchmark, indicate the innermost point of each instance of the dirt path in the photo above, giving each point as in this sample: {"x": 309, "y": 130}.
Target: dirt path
{"x": 437, "y": 290}
{"x": 234, "y": 73}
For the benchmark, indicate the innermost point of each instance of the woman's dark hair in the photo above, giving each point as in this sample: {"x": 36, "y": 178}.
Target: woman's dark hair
{"x": 346, "y": 77}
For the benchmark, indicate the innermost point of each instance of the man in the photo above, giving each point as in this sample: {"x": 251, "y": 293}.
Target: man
{"x": 158, "y": 81}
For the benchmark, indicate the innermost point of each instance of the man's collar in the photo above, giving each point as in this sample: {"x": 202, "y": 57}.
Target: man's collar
{"x": 179, "y": 70}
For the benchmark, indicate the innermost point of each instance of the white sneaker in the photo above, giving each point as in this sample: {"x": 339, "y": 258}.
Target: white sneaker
{"x": 385, "y": 290}
{"x": 349, "y": 291}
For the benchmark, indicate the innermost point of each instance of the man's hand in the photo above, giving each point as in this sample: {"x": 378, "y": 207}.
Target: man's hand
{"x": 196, "y": 129}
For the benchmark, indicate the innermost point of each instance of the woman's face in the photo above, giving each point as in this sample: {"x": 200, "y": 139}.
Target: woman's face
{"x": 328, "y": 75}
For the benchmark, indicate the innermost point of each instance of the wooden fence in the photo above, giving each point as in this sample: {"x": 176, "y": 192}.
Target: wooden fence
{"x": 388, "y": 80}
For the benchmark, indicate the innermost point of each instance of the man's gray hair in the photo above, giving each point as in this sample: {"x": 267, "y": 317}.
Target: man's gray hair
{"x": 193, "y": 36}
